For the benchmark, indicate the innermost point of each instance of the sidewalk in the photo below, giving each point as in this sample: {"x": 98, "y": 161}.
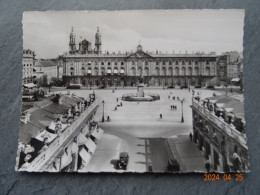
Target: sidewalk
{"x": 187, "y": 154}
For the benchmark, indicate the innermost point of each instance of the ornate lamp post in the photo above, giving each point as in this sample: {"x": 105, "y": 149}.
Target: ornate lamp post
{"x": 103, "y": 115}
{"x": 182, "y": 118}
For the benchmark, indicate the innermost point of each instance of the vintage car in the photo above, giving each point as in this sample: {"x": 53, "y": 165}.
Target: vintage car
{"x": 173, "y": 165}
{"x": 123, "y": 161}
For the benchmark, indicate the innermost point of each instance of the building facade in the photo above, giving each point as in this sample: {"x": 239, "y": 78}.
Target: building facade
{"x": 92, "y": 67}
{"x": 219, "y": 131}
{"x": 46, "y": 67}
{"x": 28, "y": 62}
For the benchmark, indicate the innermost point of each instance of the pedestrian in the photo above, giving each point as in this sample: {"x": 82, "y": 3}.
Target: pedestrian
{"x": 207, "y": 166}
{"x": 175, "y": 107}
{"x": 171, "y": 107}
{"x": 161, "y": 116}
{"x": 121, "y": 104}
{"x": 108, "y": 118}
{"x": 190, "y": 136}
{"x": 117, "y": 99}
{"x": 168, "y": 97}
{"x": 173, "y": 97}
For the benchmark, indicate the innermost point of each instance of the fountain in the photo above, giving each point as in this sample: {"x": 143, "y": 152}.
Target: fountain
{"x": 140, "y": 95}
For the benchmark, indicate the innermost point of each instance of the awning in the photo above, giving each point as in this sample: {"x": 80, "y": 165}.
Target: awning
{"x": 97, "y": 133}
{"x": 85, "y": 156}
{"x": 115, "y": 71}
{"x": 29, "y": 85}
{"x": 82, "y": 139}
{"x": 89, "y": 71}
{"x": 74, "y": 148}
{"x": 91, "y": 146}
{"x": 66, "y": 159}
{"x": 235, "y": 79}
{"x": 108, "y": 70}
{"x": 122, "y": 71}
{"x": 45, "y": 134}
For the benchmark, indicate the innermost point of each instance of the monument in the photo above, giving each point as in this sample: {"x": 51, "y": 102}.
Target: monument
{"x": 140, "y": 95}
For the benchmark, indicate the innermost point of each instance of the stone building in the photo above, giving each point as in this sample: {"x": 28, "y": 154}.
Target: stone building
{"x": 28, "y": 62}
{"x": 92, "y": 67}
{"x": 46, "y": 67}
{"x": 219, "y": 131}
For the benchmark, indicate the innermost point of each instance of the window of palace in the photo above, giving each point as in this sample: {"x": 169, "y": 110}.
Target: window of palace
{"x": 163, "y": 62}
{"x": 122, "y": 63}
{"x": 115, "y": 63}
{"x": 133, "y": 63}
{"x": 170, "y": 71}
{"x": 163, "y": 71}
{"x": 157, "y": 63}
{"x": 170, "y": 62}
{"x": 183, "y": 71}
{"x": 146, "y": 71}
{"x": 207, "y": 62}
{"x": 157, "y": 72}
{"x": 196, "y": 62}
{"x": 96, "y": 63}
{"x": 102, "y": 63}
{"x": 146, "y": 63}
{"x": 108, "y": 63}
{"x": 177, "y": 71}
{"x": 183, "y": 62}
{"x": 189, "y": 62}
{"x": 189, "y": 71}
{"x": 176, "y": 62}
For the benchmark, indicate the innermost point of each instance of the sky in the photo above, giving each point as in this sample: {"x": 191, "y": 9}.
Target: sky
{"x": 178, "y": 31}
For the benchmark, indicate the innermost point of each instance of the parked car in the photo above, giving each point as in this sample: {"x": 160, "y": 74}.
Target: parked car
{"x": 74, "y": 86}
{"x": 184, "y": 87}
{"x": 197, "y": 86}
{"x": 102, "y": 87}
{"x": 123, "y": 161}
{"x": 170, "y": 87}
{"x": 173, "y": 165}
{"x": 210, "y": 87}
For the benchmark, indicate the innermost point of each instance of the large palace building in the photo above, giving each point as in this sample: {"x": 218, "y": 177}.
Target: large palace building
{"x": 92, "y": 67}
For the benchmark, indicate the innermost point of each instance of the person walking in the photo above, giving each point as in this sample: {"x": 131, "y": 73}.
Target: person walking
{"x": 116, "y": 99}
{"x": 190, "y": 136}
{"x": 160, "y": 116}
{"x": 171, "y": 107}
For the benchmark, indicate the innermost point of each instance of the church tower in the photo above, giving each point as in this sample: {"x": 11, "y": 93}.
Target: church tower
{"x": 72, "y": 44}
{"x": 98, "y": 42}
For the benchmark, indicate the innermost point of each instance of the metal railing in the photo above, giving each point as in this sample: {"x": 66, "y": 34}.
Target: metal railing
{"x": 63, "y": 138}
{"x": 230, "y": 130}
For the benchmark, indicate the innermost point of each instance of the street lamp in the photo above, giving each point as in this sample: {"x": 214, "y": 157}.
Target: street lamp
{"x": 103, "y": 116}
{"x": 182, "y": 118}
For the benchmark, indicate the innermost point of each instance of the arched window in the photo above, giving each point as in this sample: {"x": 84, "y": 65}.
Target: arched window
{"x": 196, "y": 62}
{"x": 146, "y": 71}
{"x": 196, "y": 71}
{"x": 102, "y": 70}
{"x": 133, "y": 71}
{"x": 170, "y": 62}
{"x": 102, "y": 63}
{"x": 207, "y": 62}
{"x": 115, "y": 63}
{"x": 163, "y": 62}
{"x": 122, "y": 63}
{"x": 157, "y": 71}
{"x": 146, "y": 63}
{"x": 183, "y": 71}
{"x": 177, "y": 71}
{"x": 96, "y": 71}
{"x": 133, "y": 63}
{"x": 170, "y": 70}
{"x": 189, "y": 71}
{"x": 108, "y": 63}
{"x": 207, "y": 71}
{"x": 177, "y": 63}
{"x": 115, "y": 71}
{"x": 189, "y": 62}
{"x": 139, "y": 71}
{"x": 163, "y": 71}
{"x": 157, "y": 63}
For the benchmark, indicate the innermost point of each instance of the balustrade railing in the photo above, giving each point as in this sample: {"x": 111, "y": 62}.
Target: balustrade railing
{"x": 240, "y": 137}
{"x": 46, "y": 154}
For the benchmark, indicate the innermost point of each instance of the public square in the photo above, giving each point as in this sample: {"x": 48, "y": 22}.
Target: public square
{"x": 136, "y": 128}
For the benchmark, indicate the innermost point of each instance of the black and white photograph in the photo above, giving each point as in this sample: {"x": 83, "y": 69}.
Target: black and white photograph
{"x": 157, "y": 91}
